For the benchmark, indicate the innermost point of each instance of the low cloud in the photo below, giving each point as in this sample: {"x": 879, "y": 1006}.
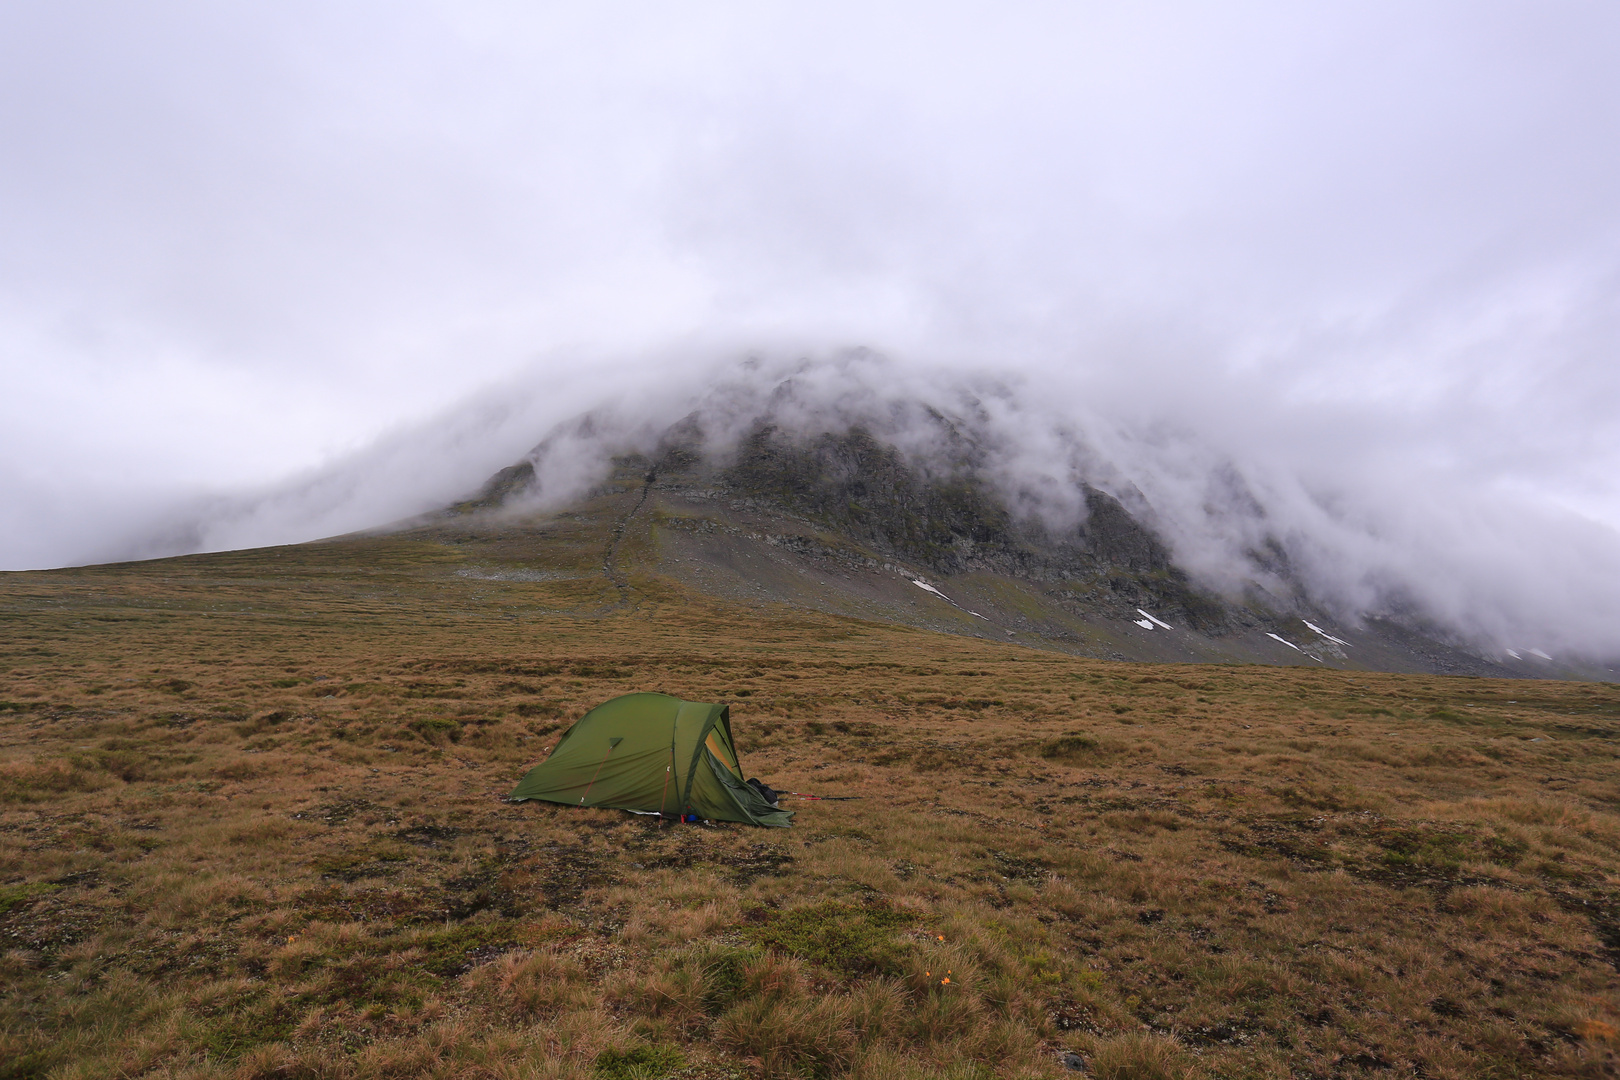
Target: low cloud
{"x": 1490, "y": 565}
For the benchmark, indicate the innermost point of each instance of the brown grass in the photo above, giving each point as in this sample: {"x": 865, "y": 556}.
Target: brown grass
{"x": 251, "y": 826}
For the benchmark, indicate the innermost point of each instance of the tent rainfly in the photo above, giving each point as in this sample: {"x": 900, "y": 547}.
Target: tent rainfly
{"x": 653, "y": 754}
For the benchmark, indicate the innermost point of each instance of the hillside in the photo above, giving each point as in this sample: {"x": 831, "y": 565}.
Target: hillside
{"x": 251, "y": 825}
{"x": 845, "y": 524}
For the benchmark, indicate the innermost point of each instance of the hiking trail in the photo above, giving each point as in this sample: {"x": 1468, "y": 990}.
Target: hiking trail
{"x": 610, "y": 565}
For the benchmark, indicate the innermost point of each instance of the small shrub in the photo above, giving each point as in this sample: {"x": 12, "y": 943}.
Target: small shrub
{"x": 1071, "y": 747}
{"x": 1505, "y": 850}
{"x": 437, "y": 730}
{"x": 725, "y": 977}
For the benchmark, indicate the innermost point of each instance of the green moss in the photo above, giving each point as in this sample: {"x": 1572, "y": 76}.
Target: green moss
{"x": 448, "y": 951}
{"x": 255, "y": 1024}
{"x": 853, "y": 940}
{"x": 640, "y": 1063}
{"x": 368, "y": 860}
{"x": 16, "y": 896}
{"x": 1419, "y": 847}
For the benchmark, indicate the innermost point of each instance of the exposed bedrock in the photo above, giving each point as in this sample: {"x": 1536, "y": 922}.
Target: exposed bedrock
{"x": 848, "y": 521}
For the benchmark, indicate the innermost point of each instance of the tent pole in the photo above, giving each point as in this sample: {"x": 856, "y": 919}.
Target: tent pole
{"x": 661, "y": 798}
{"x": 613, "y": 744}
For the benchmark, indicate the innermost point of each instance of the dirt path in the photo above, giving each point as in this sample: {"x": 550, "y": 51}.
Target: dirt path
{"x": 610, "y": 565}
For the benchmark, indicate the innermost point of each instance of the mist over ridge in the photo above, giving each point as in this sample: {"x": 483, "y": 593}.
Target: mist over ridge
{"x": 1353, "y": 536}
{"x": 1498, "y": 571}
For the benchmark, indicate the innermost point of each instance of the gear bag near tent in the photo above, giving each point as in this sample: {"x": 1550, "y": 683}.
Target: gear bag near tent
{"x": 653, "y": 754}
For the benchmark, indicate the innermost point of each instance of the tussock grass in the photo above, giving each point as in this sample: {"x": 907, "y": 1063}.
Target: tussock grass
{"x": 251, "y": 826}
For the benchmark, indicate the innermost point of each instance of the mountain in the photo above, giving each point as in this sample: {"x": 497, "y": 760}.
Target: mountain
{"x": 844, "y": 521}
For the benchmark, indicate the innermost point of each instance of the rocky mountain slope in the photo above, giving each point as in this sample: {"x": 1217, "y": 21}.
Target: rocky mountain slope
{"x": 845, "y": 522}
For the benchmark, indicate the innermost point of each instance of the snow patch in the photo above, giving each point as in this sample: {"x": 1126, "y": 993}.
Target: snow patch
{"x": 1153, "y": 621}
{"x": 1324, "y": 633}
{"x": 1515, "y": 656}
{"x": 921, "y": 584}
{"x": 1538, "y": 652}
{"x": 1145, "y": 624}
{"x": 1286, "y": 642}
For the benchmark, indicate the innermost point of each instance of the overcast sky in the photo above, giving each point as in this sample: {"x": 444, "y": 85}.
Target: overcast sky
{"x": 245, "y": 245}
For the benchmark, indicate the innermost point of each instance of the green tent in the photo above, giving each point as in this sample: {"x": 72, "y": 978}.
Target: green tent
{"x": 651, "y": 753}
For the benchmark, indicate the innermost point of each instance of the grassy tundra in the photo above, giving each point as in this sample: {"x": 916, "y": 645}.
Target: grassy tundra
{"x": 251, "y": 825}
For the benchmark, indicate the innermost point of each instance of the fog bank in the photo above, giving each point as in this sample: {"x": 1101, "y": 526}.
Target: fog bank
{"x": 1284, "y": 501}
